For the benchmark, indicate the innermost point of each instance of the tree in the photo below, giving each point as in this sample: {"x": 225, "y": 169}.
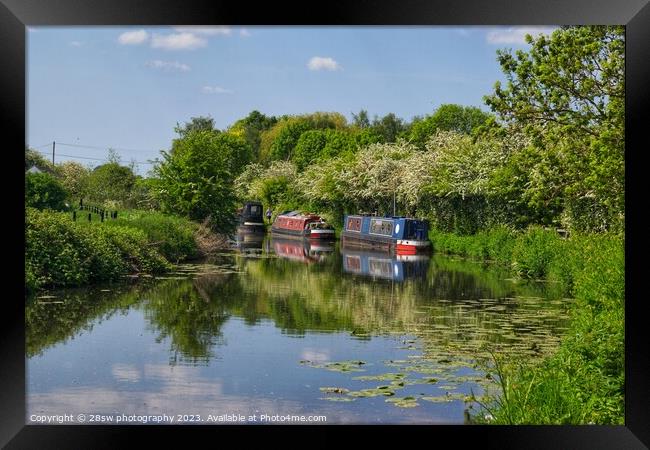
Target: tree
{"x": 279, "y": 142}
{"x": 74, "y": 177}
{"x": 111, "y": 182}
{"x": 196, "y": 178}
{"x": 388, "y": 127}
{"x": 361, "y": 120}
{"x": 567, "y": 94}
{"x": 43, "y": 191}
{"x": 448, "y": 117}
{"x": 250, "y": 129}
{"x": 200, "y": 123}
{"x": 35, "y": 159}
{"x": 315, "y": 145}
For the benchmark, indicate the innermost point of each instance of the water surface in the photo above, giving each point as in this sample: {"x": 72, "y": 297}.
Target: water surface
{"x": 282, "y": 328}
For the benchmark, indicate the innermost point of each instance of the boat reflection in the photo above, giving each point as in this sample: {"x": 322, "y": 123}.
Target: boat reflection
{"x": 384, "y": 265}
{"x": 303, "y": 250}
{"x": 249, "y": 242}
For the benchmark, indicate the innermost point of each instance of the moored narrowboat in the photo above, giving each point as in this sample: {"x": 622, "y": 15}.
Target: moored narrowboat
{"x": 399, "y": 234}
{"x": 250, "y": 218}
{"x": 298, "y": 225}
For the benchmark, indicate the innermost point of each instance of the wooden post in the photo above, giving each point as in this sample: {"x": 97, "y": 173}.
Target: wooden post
{"x": 90, "y": 217}
{"x": 74, "y": 216}
{"x": 102, "y": 216}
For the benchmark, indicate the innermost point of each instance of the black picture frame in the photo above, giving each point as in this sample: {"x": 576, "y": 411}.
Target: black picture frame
{"x": 15, "y": 15}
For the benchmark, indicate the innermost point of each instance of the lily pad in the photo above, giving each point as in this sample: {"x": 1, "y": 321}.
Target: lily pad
{"x": 403, "y": 402}
{"x": 382, "y": 377}
{"x": 335, "y": 390}
{"x": 338, "y": 399}
{"x": 372, "y": 392}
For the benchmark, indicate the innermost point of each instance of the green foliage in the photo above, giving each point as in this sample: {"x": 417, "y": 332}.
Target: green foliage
{"x": 584, "y": 382}
{"x": 533, "y": 252}
{"x": 200, "y": 123}
{"x": 361, "y": 120}
{"x": 388, "y": 127}
{"x": 60, "y": 252}
{"x": 279, "y": 142}
{"x": 74, "y": 177}
{"x": 172, "y": 237}
{"x": 111, "y": 182}
{"x": 317, "y": 145}
{"x": 274, "y": 185}
{"x": 35, "y": 159}
{"x": 448, "y": 117}
{"x": 567, "y": 95}
{"x": 250, "y": 129}
{"x": 196, "y": 178}
{"x": 43, "y": 191}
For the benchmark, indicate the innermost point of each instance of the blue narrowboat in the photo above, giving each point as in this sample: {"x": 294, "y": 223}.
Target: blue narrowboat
{"x": 399, "y": 234}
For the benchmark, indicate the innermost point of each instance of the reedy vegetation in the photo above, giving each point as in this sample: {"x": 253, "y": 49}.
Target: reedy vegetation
{"x": 552, "y": 155}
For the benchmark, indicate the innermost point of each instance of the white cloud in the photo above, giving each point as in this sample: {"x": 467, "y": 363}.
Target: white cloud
{"x": 177, "y": 41}
{"x": 76, "y": 44}
{"x": 515, "y": 35}
{"x": 215, "y": 90}
{"x": 168, "y": 65}
{"x": 244, "y": 32}
{"x": 133, "y": 37}
{"x": 322, "y": 63}
{"x": 125, "y": 372}
{"x": 206, "y": 31}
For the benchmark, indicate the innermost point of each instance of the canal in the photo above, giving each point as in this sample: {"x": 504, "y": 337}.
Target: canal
{"x": 278, "y": 328}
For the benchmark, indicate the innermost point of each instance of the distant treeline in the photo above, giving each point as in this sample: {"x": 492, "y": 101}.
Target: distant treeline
{"x": 550, "y": 152}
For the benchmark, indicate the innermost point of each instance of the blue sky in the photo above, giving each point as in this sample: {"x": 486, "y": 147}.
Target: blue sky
{"x": 127, "y": 87}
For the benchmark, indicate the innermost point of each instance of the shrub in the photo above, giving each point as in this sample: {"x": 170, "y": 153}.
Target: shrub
{"x": 533, "y": 252}
{"x": 59, "y": 252}
{"x": 43, "y": 191}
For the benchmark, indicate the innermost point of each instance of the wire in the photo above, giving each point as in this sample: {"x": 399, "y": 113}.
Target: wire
{"x": 94, "y": 159}
{"x": 104, "y": 148}
{"x": 40, "y": 146}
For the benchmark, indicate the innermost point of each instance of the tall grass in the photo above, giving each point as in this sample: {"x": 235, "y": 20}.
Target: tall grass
{"x": 584, "y": 382}
{"x": 60, "y": 252}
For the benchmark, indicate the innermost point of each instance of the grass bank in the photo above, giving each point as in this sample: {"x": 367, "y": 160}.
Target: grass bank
{"x": 584, "y": 382}
{"x": 60, "y": 252}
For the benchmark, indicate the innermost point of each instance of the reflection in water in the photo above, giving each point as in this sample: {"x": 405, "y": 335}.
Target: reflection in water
{"x": 249, "y": 242}
{"x": 386, "y": 265}
{"x": 272, "y": 331}
{"x": 302, "y": 250}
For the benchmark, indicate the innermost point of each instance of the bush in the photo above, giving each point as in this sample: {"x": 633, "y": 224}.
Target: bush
{"x": 533, "y": 252}
{"x": 59, "y": 252}
{"x": 43, "y": 191}
{"x": 173, "y": 237}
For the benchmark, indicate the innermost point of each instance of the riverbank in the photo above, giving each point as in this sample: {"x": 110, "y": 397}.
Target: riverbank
{"x": 60, "y": 252}
{"x": 584, "y": 382}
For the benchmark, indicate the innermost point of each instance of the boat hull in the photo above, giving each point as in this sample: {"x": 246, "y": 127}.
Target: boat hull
{"x": 384, "y": 243}
{"x": 251, "y": 228}
{"x": 304, "y": 234}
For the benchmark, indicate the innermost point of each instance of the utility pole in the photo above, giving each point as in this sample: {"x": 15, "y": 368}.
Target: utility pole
{"x": 53, "y": 147}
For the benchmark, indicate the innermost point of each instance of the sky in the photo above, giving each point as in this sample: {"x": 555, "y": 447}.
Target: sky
{"x": 126, "y": 88}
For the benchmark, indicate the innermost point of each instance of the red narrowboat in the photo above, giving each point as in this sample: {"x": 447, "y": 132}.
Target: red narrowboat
{"x": 296, "y": 224}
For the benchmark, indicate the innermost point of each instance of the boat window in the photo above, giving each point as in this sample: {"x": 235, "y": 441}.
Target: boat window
{"x": 255, "y": 210}
{"x": 379, "y": 226}
{"x": 354, "y": 224}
